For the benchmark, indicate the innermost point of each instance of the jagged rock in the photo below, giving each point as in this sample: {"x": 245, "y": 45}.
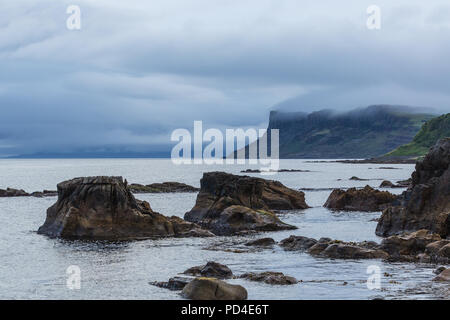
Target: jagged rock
{"x": 269, "y": 277}
{"x": 297, "y": 243}
{"x": 165, "y": 187}
{"x": 433, "y": 248}
{"x": 443, "y": 276}
{"x": 426, "y": 204}
{"x": 350, "y": 251}
{"x": 175, "y": 283}
{"x": 104, "y": 208}
{"x": 10, "y": 192}
{"x": 407, "y": 246}
{"x": 213, "y": 289}
{"x": 334, "y": 249}
{"x": 367, "y": 199}
{"x": 211, "y": 269}
{"x": 229, "y": 204}
{"x": 263, "y": 242}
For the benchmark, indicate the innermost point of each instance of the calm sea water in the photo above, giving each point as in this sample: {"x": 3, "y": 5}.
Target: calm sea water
{"x": 34, "y": 266}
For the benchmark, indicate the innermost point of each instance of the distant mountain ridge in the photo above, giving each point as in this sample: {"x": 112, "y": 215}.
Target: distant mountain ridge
{"x": 361, "y": 133}
{"x": 430, "y": 133}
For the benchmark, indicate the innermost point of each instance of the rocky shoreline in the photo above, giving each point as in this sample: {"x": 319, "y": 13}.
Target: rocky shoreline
{"x": 415, "y": 225}
{"x": 163, "y": 187}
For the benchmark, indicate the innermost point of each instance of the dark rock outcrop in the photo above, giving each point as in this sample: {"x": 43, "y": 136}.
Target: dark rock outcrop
{"x": 263, "y": 242}
{"x": 408, "y": 244}
{"x": 426, "y": 204}
{"x": 104, "y": 208}
{"x": 367, "y": 199}
{"x": 213, "y": 289}
{"x": 174, "y": 284}
{"x": 297, "y": 243}
{"x": 269, "y": 277}
{"x": 229, "y": 204}
{"x": 389, "y": 184}
{"x": 211, "y": 269}
{"x": 165, "y": 187}
{"x": 10, "y": 192}
{"x": 335, "y": 249}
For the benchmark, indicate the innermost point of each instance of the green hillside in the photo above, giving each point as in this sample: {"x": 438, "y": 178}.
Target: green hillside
{"x": 429, "y": 134}
{"x": 362, "y": 133}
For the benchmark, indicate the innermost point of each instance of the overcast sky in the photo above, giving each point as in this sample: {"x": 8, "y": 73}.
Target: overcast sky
{"x": 138, "y": 69}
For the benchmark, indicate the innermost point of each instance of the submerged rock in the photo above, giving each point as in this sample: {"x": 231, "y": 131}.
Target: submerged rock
{"x": 213, "y": 289}
{"x": 367, "y": 199}
{"x": 426, "y": 204}
{"x": 104, "y": 208}
{"x": 211, "y": 269}
{"x": 269, "y": 277}
{"x": 165, "y": 187}
{"x": 228, "y": 204}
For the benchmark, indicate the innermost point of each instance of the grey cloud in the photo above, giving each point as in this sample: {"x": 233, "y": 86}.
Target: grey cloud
{"x": 137, "y": 69}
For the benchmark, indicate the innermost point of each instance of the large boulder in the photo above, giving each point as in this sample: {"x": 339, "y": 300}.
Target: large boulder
{"x": 366, "y": 199}
{"x": 213, "y": 289}
{"x": 229, "y": 204}
{"x": 408, "y": 245}
{"x": 426, "y": 204}
{"x": 104, "y": 208}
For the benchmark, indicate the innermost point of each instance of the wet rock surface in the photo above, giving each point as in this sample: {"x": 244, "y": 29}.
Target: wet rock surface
{"x": 366, "y": 199}
{"x": 104, "y": 208}
{"x": 263, "y": 242}
{"x": 164, "y": 187}
{"x": 211, "y": 269}
{"x": 297, "y": 243}
{"x": 229, "y": 204}
{"x": 269, "y": 277}
{"x": 335, "y": 249}
{"x": 443, "y": 276}
{"x": 213, "y": 289}
{"x": 426, "y": 204}
{"x": 174, "y": 284}
{"x": 389, "y": 184}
